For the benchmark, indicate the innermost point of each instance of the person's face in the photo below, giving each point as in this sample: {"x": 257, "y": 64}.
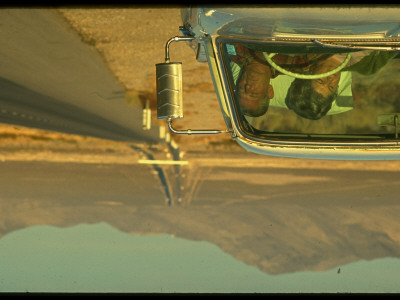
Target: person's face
{"x": 254, "y": 86}
{"x": 327, "y": 85}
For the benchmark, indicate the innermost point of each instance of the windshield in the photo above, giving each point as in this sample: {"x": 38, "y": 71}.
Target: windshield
{"x": 296, "y": 89}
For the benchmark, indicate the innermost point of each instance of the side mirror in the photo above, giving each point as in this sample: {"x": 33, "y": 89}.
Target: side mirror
{"x": 169, "y": 91}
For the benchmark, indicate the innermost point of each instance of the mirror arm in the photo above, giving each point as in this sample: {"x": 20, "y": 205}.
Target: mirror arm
{"x": 189, "y": 131}
{"x": 175, "y": 39}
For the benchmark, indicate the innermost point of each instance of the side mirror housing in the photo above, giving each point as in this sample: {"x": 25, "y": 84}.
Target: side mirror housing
{"x": 169, "y": 90}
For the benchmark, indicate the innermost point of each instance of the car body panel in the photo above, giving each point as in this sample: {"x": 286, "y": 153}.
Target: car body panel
{"x": 361, "y": 26}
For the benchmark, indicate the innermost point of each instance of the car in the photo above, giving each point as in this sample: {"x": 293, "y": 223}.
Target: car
{"x": 82, "y": 215}
{"x": 360, "y": 123}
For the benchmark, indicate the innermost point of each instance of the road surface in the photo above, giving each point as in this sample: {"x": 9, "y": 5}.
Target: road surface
{"x": 51, "y": 79}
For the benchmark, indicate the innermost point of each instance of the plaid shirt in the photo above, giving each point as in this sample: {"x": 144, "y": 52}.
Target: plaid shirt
{"x": 298, "y": 63}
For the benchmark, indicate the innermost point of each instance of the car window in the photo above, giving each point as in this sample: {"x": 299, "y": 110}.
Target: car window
{"x": 301, "y": 89}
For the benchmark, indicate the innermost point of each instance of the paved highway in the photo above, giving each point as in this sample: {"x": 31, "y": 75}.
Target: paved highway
{"x": 51, "y": 79}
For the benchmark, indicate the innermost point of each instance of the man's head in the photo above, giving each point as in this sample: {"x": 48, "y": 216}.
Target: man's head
{"x": 303, "y": 99}
{"x": 312, "y": 99}
{"x": 254, "y": 89}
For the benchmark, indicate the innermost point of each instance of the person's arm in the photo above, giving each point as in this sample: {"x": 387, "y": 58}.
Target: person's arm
{"x": 372, "y": 63}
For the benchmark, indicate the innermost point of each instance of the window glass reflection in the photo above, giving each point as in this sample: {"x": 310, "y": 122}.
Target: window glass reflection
{"x": 303, "y": 91}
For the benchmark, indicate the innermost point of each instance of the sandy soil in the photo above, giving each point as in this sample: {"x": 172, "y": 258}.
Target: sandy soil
{"x": 28, "y": 144}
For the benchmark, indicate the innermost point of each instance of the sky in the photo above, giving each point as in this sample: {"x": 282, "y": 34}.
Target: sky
{"x": 99, "y": 258}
